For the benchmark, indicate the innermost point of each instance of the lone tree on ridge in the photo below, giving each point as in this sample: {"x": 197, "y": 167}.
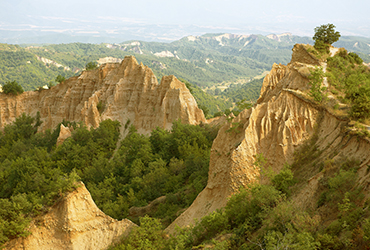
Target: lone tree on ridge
{"x": 325, "y": 35}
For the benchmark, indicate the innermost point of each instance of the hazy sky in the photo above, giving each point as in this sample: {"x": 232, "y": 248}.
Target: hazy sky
{"x": 297, "y": 17}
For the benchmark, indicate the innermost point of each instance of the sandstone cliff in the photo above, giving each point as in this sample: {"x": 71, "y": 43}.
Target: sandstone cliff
{"x": 75, "y": 222}
{"x": 126, "y": 91}
{"x": 283, "y": 118}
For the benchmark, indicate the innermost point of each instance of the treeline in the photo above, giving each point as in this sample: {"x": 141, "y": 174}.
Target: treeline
{"x": 34, "y": 173}
{"x": 219, "y": 103}
{"x": 249, "y": 91}
{"x": 17, "y": 64}
{"x": 265, "y": 216}
{"x": 194, "y": 68}
{"x": 208, "y": 103}
{"x": 351, "y": 82}
{"x": 21, "y": 65}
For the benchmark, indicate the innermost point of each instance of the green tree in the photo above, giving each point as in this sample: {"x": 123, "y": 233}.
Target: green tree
{"x": 60, "y": 79}
{"x": 284, "y": 180}
{"x": 91, "y": 65}
{"x": 148, "y": 236}
{"x": 325, "y": 35}
{"x": 243, "y": 104}
{"x": 205, "y": 110}
{"x": 12, "y": 88}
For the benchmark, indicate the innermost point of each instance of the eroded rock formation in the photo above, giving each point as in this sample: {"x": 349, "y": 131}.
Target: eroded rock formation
{"x": 64, "y": 133}
{"x": 126, "y": 91}
{"x": 75, "y": 222}
{"x": 283, "y": 118}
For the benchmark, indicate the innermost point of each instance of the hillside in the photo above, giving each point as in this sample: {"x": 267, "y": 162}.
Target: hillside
{"x": 295, "y": 145}
{"x": 203, "y": 60}
{"x": 295, "y": 165}
{"x": 290, "y": 172}
{"x": 211, "y": 61}
{"x": 128, "y": 138}
{"x": 127, "y": 92}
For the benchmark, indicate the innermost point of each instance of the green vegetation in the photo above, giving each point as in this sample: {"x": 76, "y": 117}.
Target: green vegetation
{"x": 351, "y": 82}
{"x": 149, "y": 236}
{"x": 12, "y": 88}
{"x": 91, "y": 65}
{"x": 316, "y": 90}
{"x": 21, "y": 65}
{"x": 208, "y": 103}
{"x": 60, "y": 79}
{"x": 263, "y": 216}
{"x": 325, "y": 35}
{"x": 29, "y": 180}
{"x": 249, "y": 91}
{"x": 34, "y": 173}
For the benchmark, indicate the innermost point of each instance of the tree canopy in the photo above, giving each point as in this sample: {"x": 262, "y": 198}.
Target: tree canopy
{"x": 12, "y": 88}
{"x": 60, "y": 79}
{"x": 326, "y": 34}
{"x": 91, "y": 65}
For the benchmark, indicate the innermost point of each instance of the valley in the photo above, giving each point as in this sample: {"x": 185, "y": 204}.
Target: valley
{"x": 275, "y": 162}
{"x": 209, "y": 61}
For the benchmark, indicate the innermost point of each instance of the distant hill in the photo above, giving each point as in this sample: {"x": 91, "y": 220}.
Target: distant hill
{"x": 205, "y": 61}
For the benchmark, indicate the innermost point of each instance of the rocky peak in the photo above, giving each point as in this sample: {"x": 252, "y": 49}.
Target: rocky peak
{"x": 64, "y": 133}
{"x": 276, "y": 126}
{"x": 74, "y": 222}
{"x": 126, "y": 91}
{"x": 302, "y": 55}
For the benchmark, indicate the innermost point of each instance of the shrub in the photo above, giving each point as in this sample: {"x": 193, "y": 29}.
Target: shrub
{"x": 148, "y": 236}
{"x": 321, "y": 47}
{"x": 283, "y": 180}
{"x": 13, "y": 88}
{"x": 60, "y": 79}
{"x": 91, "y": 65}
{"x": 316, "y": 78}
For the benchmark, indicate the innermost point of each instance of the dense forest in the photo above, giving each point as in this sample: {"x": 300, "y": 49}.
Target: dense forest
{"x": 34, "y": 173}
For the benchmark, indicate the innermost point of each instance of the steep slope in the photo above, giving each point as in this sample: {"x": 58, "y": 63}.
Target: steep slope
{"x": 282, "y": 120}
{"x": 127, "y": 92}
{"x": 75, "y": 222}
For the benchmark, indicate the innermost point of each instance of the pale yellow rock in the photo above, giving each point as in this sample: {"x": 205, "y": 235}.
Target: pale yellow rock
{"x": 74, "y": 223}
{"x": 64, "y": 133}
{"x": 283, "y": 118}
{"x": 127, "y": 92}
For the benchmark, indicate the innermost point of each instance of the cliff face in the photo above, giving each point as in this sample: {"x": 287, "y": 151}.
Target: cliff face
{"x": 283, "y": 118}
{"x": 75, "y": 222}
{"x": 127, "y": 92}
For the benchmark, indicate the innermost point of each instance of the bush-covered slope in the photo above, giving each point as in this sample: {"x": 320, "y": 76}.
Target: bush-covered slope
{"x": 34, "y": 172}
{"x": 21, "y": 65}
{"x": 320, "y": 201}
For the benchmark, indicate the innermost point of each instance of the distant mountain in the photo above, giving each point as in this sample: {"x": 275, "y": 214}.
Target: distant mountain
{"x": 206, "y": 61}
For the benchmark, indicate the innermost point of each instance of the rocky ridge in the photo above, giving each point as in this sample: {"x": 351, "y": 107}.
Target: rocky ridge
{"x": 282, "y": 120}
{"x": 74, "y": 222}
{"x": 126, "y": 91}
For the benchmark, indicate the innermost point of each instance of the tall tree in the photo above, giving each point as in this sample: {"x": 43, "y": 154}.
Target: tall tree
{"x": 325, "y": 35}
